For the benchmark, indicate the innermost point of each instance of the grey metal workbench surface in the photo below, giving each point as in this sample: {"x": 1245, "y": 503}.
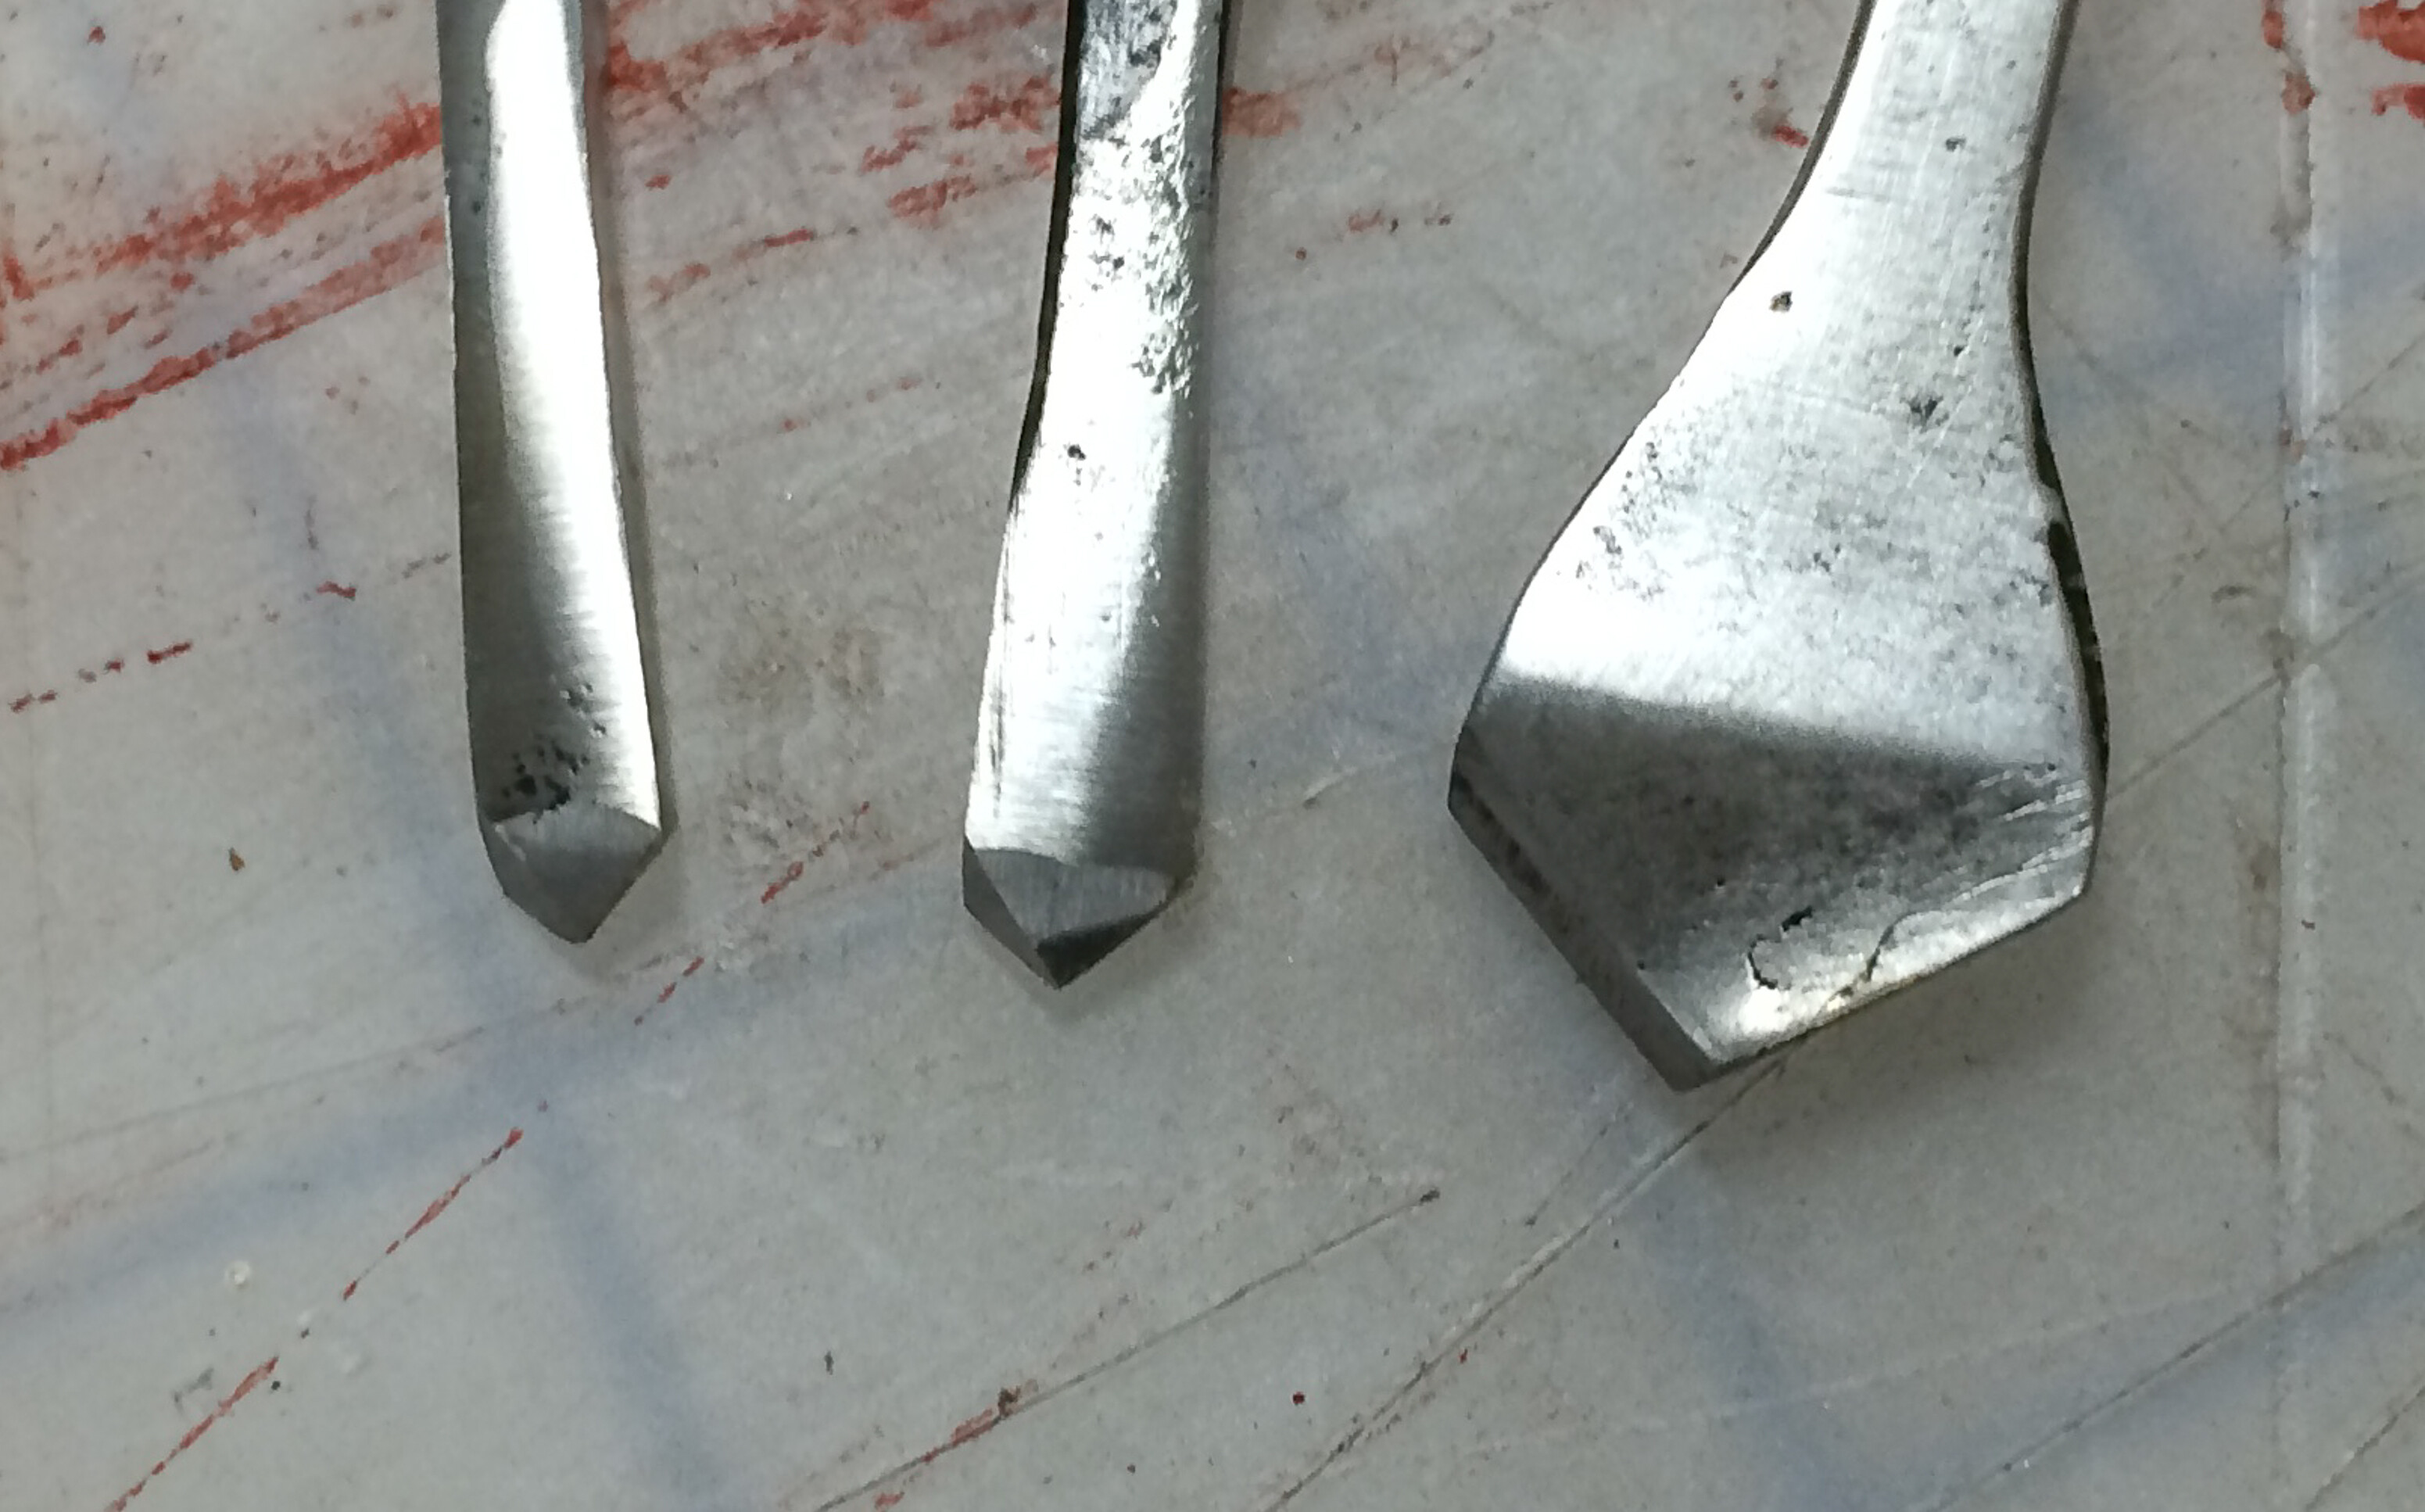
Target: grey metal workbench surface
{"x": 326, "y": 1180}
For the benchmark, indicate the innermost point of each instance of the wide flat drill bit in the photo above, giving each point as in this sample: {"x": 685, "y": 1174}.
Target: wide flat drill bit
{"x": 563, "y": 758}
{"x": 1081, "y": 813}
{"x": 1802, "y": 706}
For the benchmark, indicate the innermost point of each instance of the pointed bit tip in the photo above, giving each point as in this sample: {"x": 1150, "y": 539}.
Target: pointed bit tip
{"x": 1060, "y": 918}
{"x": 568, "y": 866}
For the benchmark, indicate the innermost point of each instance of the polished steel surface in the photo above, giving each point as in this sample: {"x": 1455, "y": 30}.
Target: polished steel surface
{"x": 563, "y": 761}
{"x": 1081, "y": 812}
{"x": 1803, "y": 704}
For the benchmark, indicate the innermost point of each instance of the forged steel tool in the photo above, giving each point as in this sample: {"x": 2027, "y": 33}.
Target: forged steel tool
{"x": 563, "y": 759}
{"x": 1081, "y": 812}
{"x": 1803, "y": 706}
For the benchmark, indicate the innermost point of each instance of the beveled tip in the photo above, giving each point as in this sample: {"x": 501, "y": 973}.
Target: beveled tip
{"x": 570, "y": 865}
{"x": 1060, "y": 917}
{"x": 1727, "y": 888}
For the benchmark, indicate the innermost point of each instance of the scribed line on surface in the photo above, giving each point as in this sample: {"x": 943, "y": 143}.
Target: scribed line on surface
{"x": 2410, "y": 1225}
{"x": 227, "y": 1404}
{"x": 432, "y": 1214}
{"x": 1013, "y": 1402}
{"x": 1390, "y": 1409}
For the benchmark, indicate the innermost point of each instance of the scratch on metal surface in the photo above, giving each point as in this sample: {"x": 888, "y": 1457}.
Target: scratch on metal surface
{"x": 2367, "y": 1447}
{"x": 432, "y": 1214}
{"x": 2409, "y": 1225}
{"x": 1023, "y": 1401}
{"x": 1390, "y": 1409}
{"x": 2304, "y": 749}
{"x": 737, "y": 949}
{"x": 2303, "y": 658}
{"x": 1893, "y": 1373}
{"x": 111, "y": 667}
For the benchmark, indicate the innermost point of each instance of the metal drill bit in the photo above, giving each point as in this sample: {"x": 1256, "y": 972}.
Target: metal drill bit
{"x": 1803, "y": 704}
{"x": 1081, "y": 813}
{"x": 563, "y": 760}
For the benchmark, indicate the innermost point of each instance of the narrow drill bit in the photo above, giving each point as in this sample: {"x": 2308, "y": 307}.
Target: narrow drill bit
{"x": 563, "y": 759}
{"x": 1081, "y": 812}
{"x": 1803, "y": 705}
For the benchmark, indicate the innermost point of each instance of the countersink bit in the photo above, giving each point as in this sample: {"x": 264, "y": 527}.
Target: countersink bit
{"x": 1803, "y": 705}
{"x": 1081, "y": 812}
{"x": 563, "y": 761}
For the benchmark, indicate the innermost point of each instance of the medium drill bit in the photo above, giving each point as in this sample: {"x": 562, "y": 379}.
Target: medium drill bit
{"x": 1803, "y": 705}
{"x": 563, "y": 759}
{"x": 1081, "y": 813}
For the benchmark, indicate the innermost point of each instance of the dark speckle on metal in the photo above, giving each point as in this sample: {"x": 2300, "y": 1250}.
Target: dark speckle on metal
{"x": 564, "y": 763}
{"x": 1803, "y": 706}
{"x": 1082, "y": 807}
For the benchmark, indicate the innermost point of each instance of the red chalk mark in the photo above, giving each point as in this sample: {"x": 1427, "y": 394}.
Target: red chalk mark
{"x": 2398, "y": 30}
{"x": 698, "y": 963}
{"x": 389, "y": 265}
{"x": 848, "y": 827}
{"x": 247, "y": 203}
{"x": 430, "y": 1214}
{"x": 2298, "y": 91}
{"x": 1790, "y": 133}
{"x": 1251, "y": 113}
{"x": 668, "y": 286}
{"x": 967, "y": 1433}
{"x": 116, "y": 664}
{"x": 979, "y": 23}
{"x": 168, "y": 653}
{"x": 1029, "y": 108}
{"x": 97, "y": 35}
{"x": 777, "y": 887}
{"x": 665, "y": 286}
{"x": 2408, "y": 97}
{"x": 266, "y": 199}
{"x": 890, "y": 1499}
{"x": 336, "y": 590}
{"x": 192, "y": 1436}
{"x": 924, "y": 205}
{"x": 120, "y": 321}
{"x": 1364, "y": 220}
{"x": 926, "y": 202}
{"x": 904, "y": 142}
{"x": 2277, "y": 27}
{"x": 74, "y": 347}
{"x": 643, "y": 83}
{"x": 257, "y": 201}
{"x": 658, "y": 181}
